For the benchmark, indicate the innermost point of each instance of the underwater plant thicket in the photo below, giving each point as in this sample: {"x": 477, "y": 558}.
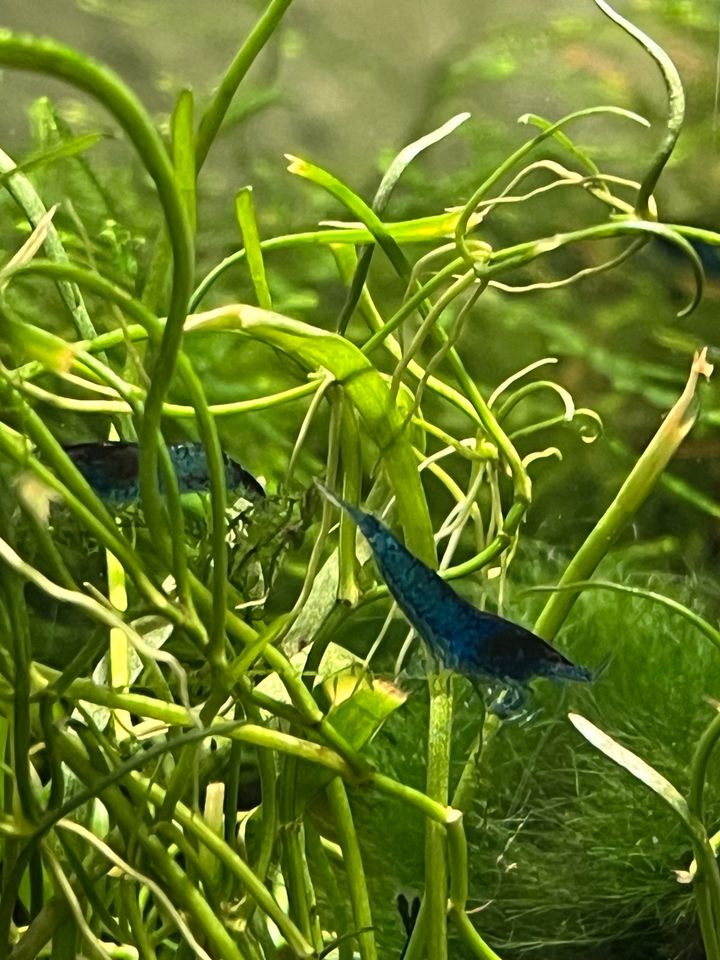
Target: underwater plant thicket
{"x": 217, "y": 738}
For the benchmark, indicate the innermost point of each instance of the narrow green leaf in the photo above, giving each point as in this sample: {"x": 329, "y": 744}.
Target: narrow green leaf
{"x": 633, "y": 493}
{"x": 70, "y": 148}
{"x": 222, "y": 98}
{"x": 29, "y": 249}
{"x": 676, "y": 104}
{"x": 183, "y": 148}
{"x": 633, "y": 764}
{"x": 245, "y": 210}
{"x": 380, "y": 202}
{"x": 357, "y": 206}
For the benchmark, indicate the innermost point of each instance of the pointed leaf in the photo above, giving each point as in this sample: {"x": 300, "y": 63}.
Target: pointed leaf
{"x": 633, "y": 764}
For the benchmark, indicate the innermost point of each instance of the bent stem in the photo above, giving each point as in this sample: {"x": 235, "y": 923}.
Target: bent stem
{"x": 633, "y": 493}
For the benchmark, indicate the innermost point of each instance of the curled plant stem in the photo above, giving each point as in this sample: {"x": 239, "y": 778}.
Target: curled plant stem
{"x": 676, "y": 105}
{"x": 468, "y": 210}
{"x": 510, "y": 257}
{"x": 629, "y": 251}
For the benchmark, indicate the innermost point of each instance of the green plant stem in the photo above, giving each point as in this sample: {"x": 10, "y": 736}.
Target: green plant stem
{"x": 362, "y": 384}
{"x": 150, "y": 326}
{"x": 143, "y": 940}
{"x": 243, "y": 60}
{"x": 695, "y": 619}
{"x": 437, "y": 786}
{"x": 706, "y": 920}
{"x": 337, "y": 406}
{"x": 698, "y": 770}
{"x": 429, "y": 323}
{"x": 25, "y": 195}
{"x": 194, "y": 824}
{"x": 324, "y": 635}
{"x": 302, "y": 903}
{"x": 348, "y": 590}
{"x": 69, "y": 750}
{"x": 20, "y": 724}
{"x": 354, "y": 871}
{"x": 706, "y": 887}
{"x": 29, "y": 53}
{"x": 267, "y": 766}
{"x": 342, "y": 913}
{"x": 676, "y": 105}
{"x": 471, "y": 937}
{"x": 167, "y": 871}
{"x": 41, "y": 930}
{"x": 174, "y": 715}
{"x": 467, "y": 785}
{"x": 629, "y": 499}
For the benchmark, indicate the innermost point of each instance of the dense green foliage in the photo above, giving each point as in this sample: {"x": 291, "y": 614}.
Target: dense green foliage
{"x": 216, "y": 740}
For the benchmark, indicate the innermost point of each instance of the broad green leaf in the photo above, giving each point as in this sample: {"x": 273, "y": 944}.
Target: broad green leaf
{"x": 360, "y": 705}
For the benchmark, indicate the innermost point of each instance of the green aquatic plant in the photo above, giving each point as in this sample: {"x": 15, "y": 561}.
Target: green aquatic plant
{"x": 126, "y": 827}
